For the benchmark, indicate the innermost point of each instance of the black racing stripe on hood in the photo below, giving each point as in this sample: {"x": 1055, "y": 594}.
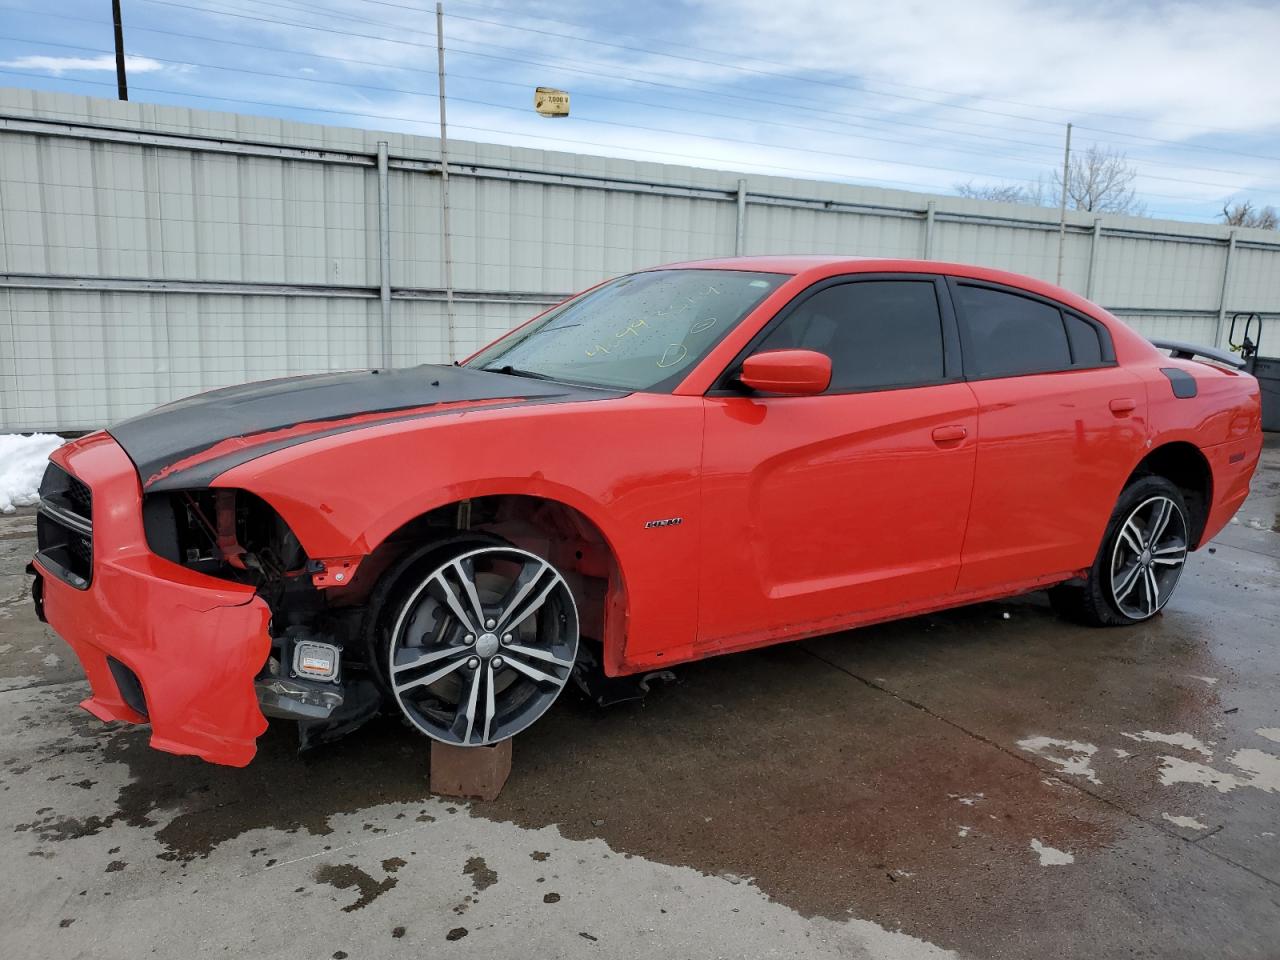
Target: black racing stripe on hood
{"x": 173, "y": 433}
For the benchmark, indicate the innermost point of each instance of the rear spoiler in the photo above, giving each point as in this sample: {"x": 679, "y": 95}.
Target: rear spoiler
{"x": 1182, "y": 350}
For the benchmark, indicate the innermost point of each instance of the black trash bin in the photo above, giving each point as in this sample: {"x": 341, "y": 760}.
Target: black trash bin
{"x": 1266, "y": 369}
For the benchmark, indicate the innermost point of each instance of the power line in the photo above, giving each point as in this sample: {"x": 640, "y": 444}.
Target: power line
{"x": 906, "y": 86}
{"x": 734, "y": 163}
{"x": 629, "y": 79}
{"x": 560, "y": 66}
{"x": 285, "y": 4}
{"x": 784, "y": 76}
{"x": 396, "y": 40}
{"x": 173, "y": 3}
{"x": 612, "y": 123}
{"x": 1233, "y": 187}
{"x": 1051, "y": 149}
{"x": 737, "y": 163}
{"x": 522, "y": 85}
{"x": 596, "y": 120}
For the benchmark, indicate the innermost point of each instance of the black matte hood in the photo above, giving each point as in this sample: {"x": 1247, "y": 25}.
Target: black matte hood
{"x": 174, "y": 445}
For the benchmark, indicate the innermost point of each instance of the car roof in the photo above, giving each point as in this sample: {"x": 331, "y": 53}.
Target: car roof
{"x": 818, "y": 266}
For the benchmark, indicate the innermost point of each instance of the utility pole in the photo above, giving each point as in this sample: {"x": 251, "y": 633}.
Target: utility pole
{"x": 122, "y": 86}
{"x": 446, "y": 247}
{"x": 1062, "y": 210}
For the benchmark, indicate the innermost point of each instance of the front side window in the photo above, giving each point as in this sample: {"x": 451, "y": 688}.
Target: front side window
{"x": 1005, "y": 335}
{"x": 878, "y": 333}
{"x": 639, "y": 332}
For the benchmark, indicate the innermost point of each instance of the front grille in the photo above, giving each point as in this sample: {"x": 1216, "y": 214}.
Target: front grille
{"x": 80, "y": 498}
{"x": 64, "y": 528}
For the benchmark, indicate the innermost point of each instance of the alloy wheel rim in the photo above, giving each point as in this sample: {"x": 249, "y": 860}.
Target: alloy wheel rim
{"x": 483, "y": 646}
{"x": 1148, "y": 557}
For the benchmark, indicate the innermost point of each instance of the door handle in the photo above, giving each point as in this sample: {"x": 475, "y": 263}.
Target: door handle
{"x": 1123, "y": 405}
{"x": 949, "y": 434}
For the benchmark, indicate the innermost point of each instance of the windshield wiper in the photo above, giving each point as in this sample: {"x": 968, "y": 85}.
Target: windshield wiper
{"x": 511, "y": 371}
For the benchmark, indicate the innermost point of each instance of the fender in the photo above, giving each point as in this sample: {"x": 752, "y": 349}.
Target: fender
{"x": 640, "y": 461}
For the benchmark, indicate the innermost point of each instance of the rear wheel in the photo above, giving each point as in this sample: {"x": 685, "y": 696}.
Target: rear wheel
{"x": 1139, "y": 562}
{"x": 479, "y": 643}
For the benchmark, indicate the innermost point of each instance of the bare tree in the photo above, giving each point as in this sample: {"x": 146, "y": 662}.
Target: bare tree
{"x": 1245, "y": 214}
{"x": 1100, "y": 180}
{"x": 1003, "y": 192}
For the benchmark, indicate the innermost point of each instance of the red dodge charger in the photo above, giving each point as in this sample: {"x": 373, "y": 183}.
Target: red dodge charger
{"x": 678, "y": 463}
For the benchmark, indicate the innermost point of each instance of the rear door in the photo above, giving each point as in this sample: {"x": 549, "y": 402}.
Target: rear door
{"x": 1059, "y": 427}
{"x": 816, "y": 508}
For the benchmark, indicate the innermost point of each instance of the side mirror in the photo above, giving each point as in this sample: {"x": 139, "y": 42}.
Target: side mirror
{"x": 794, "y": 373}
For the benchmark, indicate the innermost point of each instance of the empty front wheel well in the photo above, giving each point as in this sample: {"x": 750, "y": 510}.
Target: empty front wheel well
{"x": 1183, "y": 465}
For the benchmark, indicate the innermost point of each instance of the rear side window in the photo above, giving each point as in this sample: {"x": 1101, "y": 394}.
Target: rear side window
{"x": 1005, "y": 335}
{"x": 878, "y": 333}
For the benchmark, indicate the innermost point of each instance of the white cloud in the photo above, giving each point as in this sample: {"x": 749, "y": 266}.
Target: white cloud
{"x": 1176, "y": 63}
{"x": 60, "y": 65}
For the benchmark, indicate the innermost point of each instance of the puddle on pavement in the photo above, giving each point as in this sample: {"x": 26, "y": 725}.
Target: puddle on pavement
{"x": 194, "y": 806}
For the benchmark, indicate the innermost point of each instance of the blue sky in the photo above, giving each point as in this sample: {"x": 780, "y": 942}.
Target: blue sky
{"x": 918, "y": 95}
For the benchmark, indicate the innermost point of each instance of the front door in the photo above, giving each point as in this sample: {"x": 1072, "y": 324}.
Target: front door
{"x": 821, "y": 510}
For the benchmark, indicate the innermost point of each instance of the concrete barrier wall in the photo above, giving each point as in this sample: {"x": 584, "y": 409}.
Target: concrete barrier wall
{"x": 149, "y": 252}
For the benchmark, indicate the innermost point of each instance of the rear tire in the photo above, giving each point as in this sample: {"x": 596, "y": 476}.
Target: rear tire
{"x": 1139, "y": 561}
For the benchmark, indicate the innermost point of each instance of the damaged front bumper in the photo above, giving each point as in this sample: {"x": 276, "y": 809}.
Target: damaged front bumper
{"x": 159, "y": 643}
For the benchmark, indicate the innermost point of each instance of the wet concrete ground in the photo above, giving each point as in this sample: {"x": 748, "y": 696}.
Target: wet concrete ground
{"x": 990, "y": 783}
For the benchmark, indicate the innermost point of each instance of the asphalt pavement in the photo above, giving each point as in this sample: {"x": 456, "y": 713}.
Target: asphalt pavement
{"x": 990, "y": 782}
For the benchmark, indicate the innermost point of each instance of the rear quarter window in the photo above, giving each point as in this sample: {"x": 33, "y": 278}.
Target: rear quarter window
{"x": 1085, "y": 340}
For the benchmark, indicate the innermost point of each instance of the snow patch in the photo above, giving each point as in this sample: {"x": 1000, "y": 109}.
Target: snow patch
{"x": 964, "y": 831}
{"x": 1049, "y": 857}
{"x": 1120, "y": 753}
{"x": 22, "y": 463}
{"x": 1209, "y": 680}
{"x": 1184, "y": 740}
{"x": 967, "y": 801}
{"x": 1078, "y": 757}
{"x": 1191, "y": 823}
{"x": 1271, "y": 733}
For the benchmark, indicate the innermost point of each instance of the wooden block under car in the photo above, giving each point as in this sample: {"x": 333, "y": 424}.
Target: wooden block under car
{"x": 470, "y": 773}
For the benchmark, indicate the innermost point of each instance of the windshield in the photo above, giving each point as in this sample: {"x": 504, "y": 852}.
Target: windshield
{"x": 640, "y": 332}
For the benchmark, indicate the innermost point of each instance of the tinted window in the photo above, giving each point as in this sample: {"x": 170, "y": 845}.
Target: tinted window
{"x": 1007, "y": 335}
{"x": 878, "y": 333}
{"x": 1086, "y": 348}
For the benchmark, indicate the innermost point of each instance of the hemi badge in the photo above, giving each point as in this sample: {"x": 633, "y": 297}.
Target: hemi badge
{"x": 669, "y": 522}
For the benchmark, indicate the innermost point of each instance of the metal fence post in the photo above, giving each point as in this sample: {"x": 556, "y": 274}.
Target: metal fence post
{"x": 1094, "y": 243}
{"x": 740, "y": 239}
{"x": 929, "y": 210}
{"x": 1221, "y": 330}
{"x": 384, "y": 249}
